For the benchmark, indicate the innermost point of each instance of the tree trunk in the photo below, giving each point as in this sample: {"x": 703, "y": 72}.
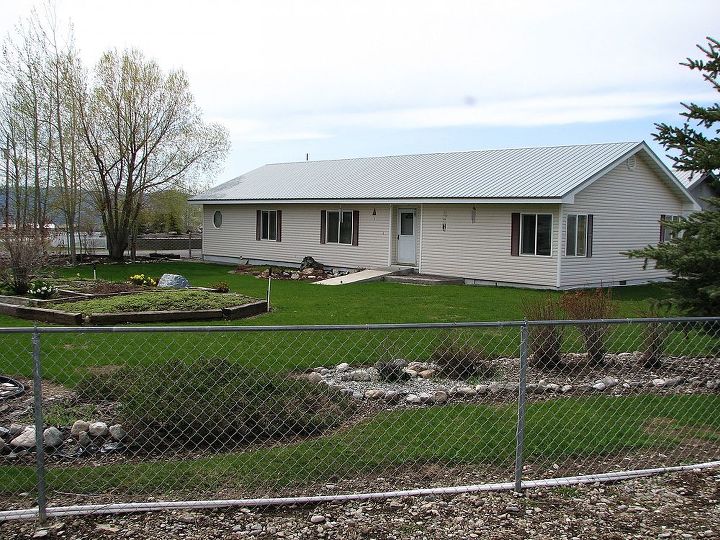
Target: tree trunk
{"x": 117, "y": 244}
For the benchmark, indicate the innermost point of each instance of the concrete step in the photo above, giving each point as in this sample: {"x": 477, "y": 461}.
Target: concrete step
{"x": 356, "y": 277}
{"x": 424, "y": 279}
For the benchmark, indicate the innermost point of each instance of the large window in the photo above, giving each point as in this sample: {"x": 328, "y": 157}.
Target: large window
{"x": 339, "y": 227}
{"x": 667, "y": 233}
{"x": 577, "y": 235}
{"x": 268, "y": 227}
{"x": 536, "y": 234}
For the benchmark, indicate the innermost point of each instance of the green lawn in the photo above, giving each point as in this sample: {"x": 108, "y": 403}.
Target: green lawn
{"x": 447, "y": 435}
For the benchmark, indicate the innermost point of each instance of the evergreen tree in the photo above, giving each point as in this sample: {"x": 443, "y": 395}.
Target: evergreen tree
{"x": 692, "y": 254}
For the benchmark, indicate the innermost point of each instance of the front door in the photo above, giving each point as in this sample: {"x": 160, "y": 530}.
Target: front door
{"x": 406, "y": 236}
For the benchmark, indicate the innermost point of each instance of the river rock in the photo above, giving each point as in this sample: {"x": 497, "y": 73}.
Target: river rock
{"x": 173, "y": 281}
{"x": 78, "y": 427}
{"x": 25, "y": 440}
{"x": 374, "y": 394}
{"x": 98, "y": 429}
{"x": 440, "y": 397}
{"x": 315, "y": 378}
{"x": 52, "y": 437}
{"x": 117, "y": 432}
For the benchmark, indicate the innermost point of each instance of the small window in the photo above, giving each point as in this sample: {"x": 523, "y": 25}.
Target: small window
{"x": 669, "y": 234}
{"x": 268, "y": 229}
{"x": 217, "y": 219}
{"x": 536, "y": 234}
{"x": 339, "y": 227}
{"x": 577, "y": 235}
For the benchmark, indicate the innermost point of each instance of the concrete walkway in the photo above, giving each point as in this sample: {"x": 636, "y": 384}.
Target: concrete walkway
{"x": 355, "y": 277}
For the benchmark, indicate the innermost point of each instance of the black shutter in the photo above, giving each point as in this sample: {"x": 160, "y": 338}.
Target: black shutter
{"x": 323, "y": 226}
{"x": 278, "y": 221}
{"x": 589, "y": 247}
{"x": 515, "y": 235}
{"x": 258, "y": 225}
{"x": 662, "y": 227}
{"x": 356, "y": 223}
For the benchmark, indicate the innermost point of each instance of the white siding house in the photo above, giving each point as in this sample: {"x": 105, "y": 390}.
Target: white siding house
{"x": 552, "y": 217}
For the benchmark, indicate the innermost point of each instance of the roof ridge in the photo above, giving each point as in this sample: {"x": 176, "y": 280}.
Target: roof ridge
{"x": 608, "y": 143}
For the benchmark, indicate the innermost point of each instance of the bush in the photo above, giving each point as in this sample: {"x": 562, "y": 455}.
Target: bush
{"x": 392, "y": 370}
{"x": 27, "y": 256}
{"x": 221, "y": 287}
{"x": 143, "y": 280}
{"x": 213, "y": 402}
{"x": 545, "y": 341}
{"x": 41, "y": 289}
{"x": 597, "y": 304}
{"x": 462, "y": 362}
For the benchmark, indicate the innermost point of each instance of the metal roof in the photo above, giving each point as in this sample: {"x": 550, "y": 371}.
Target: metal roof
{"x": 687, "y": 181}
{"x": 519, "y": 173}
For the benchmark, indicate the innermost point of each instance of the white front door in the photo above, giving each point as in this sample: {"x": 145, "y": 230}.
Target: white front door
{"x": 406, "y": 236}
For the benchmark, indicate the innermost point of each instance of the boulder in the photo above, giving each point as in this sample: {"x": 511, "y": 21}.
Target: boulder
{"x": 52, "y": 437}
{"x": 78, "y": 427}
{"x": 413, "y": 399}
{"x": 26, "y": 439}
{"x": 342, "y": 368}
{"x": 309, "y": 262}
{"x": 84, "y": 439}
{"x": 426, "y": 374}
{"x": 315, "y": 378}
{"x": 16, "y": 429}
{"x": 440, "y": 397}
{"x": 117, "y": 432}
{"x": 374, "y": 394}
{"x": 98, "y": 429}
{"x": 173, "y": 281}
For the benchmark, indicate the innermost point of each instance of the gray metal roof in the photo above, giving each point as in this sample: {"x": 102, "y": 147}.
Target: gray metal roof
{"x": 545, "y": 172}
{"x": 690, "y": 179}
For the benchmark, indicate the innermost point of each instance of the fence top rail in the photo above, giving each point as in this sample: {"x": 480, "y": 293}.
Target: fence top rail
{"x": 341, "y": 327}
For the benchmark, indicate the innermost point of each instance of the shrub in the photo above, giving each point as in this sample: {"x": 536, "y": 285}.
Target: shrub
{"x": 597, "y": 304}
{"x": 41, "y": 289}
{"x": 221, "y": 287}
{"x": 392, "y": 370}
{"x": 462, "y": 362}
{"x": 142, "y": 279}
{"x": 213, "y": 402}
{"x": 545, "y": 341}
{"x": 27, "y": 256}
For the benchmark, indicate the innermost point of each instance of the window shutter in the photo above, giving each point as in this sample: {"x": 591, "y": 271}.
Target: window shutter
{"x": 323, "y": 226}
{"x": 278, "y": 221}
{"x": 662, "y": 227}
{"x": 589, "y": 246}
{"x": 515, "y": 235}
{"x": 258, "y": 225}
{"x": 356, "y": 223}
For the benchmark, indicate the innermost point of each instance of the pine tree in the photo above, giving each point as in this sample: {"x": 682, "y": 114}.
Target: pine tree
{"x": 693, "y": 253}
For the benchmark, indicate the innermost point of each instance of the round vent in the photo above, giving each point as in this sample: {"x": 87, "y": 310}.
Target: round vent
{"x": 631, "y": 162}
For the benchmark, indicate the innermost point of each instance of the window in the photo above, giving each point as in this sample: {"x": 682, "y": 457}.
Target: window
{"x": 536, "y": 234}
{"x": 576, "y": 243}
{"x": 668, "y": 234}
{"x": 217, "y": 219}
{"x": 268, "y": 228}
{"x": 339, "y": 227}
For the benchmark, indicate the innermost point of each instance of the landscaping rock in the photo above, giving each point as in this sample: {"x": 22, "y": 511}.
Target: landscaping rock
{"x": 52, "y": 437}
{"x": 566, "y": 388}
{"x": 482, "y": 388}
{"x": 599, "y": 386}
{"x": 25, "y": 440}
{"x": 362, "y": 375}
{"x": 311, "y": 264}
{"x": 609, "y": 382}
{"x": 315, "y": 377}
{"x": 440, "y": 397}
{"x": 374, "y": 394}
{"x": 173, "y": 281}
{"x": 317, "y": 519}
{"x": 16, "y": 429}
{"x": 4, "y": 433}
{"x": 98, "y": 429}
{"x": 84, "y": 439}
{"x": 413, "y": 399}
{"x": 3, "y": 446}
{"x": 675, "y": 381}
{"x": 466, "y": 391}
{"x": 342, "y": 368}
{"x": 658, "y": 382}
{"x": 426, "y": 374}
{"x": 712, "y": 385}
{"x": 393, "y": 396}
{"x": 78, "y": 427}
{"x": 117, "y": 432}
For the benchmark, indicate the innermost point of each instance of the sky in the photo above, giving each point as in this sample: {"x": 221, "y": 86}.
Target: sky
{"x": 337, "y": 78}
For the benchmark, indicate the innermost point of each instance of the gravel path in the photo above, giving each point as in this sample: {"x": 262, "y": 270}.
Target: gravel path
{"x": 683, "y": 505}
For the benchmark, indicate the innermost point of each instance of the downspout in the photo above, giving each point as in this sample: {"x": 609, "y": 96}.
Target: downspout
{"x": 558, "y": 270}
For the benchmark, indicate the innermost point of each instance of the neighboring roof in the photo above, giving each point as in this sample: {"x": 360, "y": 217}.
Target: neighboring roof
{"x": 697, "y": 177}
{"x": 544, "y": 173}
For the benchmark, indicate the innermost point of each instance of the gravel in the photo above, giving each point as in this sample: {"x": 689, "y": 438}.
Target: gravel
{"x": 682, "y": 505}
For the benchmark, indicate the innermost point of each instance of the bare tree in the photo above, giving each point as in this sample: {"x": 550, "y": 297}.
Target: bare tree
{"x": 144, "y": 132}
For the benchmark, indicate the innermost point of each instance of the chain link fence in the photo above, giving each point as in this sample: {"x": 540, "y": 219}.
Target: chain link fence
{"x": 137, "y": 414}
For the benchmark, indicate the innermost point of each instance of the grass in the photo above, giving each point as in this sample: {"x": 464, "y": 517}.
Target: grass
{"x": 156, "y": 301}
{"x": 449, "y": 435}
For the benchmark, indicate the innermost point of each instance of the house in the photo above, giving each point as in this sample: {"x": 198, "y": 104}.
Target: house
{"x": 550, "y": 217}
{"x": 702, "y": 186}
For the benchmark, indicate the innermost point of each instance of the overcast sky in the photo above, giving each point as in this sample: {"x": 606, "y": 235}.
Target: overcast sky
{"x": 336, "y": 78}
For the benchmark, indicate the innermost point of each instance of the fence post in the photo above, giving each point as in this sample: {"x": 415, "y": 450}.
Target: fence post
{"x": 39, "y": 442}
{"x": 522, "y": 394}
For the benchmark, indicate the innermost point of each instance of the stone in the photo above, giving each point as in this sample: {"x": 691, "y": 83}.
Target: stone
{"x": 712, "y": 385}
{"x": 16, "y": 429}
{"x": 393, "y": 396}
{"x": 4, "y": 432}
{"x": 426, "y": 374}
{"x": 117, "y": 432}
{"x": 425, "y": 397}
{"x": 658, "y": 382}
{"x": 25, "y": 440}
{"x": 411, "y": 373}
{"x": 98, "y": 429}
{"x": 481, "y": 388}
{"x": 599, "y": 386}
{"x": 357, "y": 395}
{"x": 495, "y": 388}
{"x": 315, "y": 378}
{"x": 566, "y": 388}
{"x": 361, "y": 375}
{"x": 552, "y": 387}
{"x": 78, "y": 427}
{"x": 52, "y": 437}
{"x": 295, "y": 275}
{"x": 675, "y": 381}
{"x": 342, "y": 368}
{"x": 609, "y": 382}
{"x": 173, "y": 281}
{"x": 107, "y": 528}
{"x": 413, "y": 399}
{"x": 41, "y": 533}
{"x": 3, "y": 446}
{"x": 466, "y": 391}
{"x": 84, "y": 439}
{"x": 308, "y": 263}
{"x": 440, "y": 397}
{"x": 374, "y": 394}
{"x": 317, "y": 519}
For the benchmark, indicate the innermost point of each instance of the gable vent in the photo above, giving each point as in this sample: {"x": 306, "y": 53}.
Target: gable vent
{"x": 631, "y": 162}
